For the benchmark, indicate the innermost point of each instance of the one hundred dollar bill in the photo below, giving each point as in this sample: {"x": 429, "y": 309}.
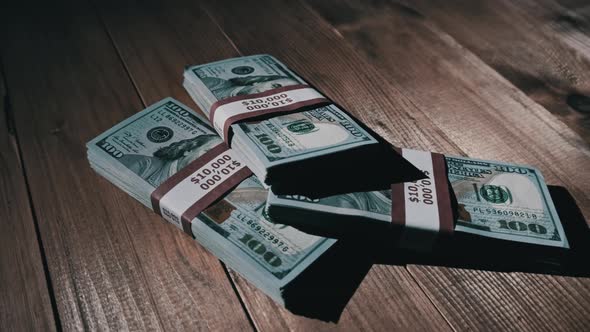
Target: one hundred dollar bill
{"x": 282, "y": 139}
{"x": 495, "y": 199}
{"x": 504, "y": 201}
{"x": 239, "y": 76}
{"x": 302, "y": 135}
{"x": 143, "y": 151}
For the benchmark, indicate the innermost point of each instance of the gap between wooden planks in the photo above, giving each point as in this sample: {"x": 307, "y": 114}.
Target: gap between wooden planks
{"x": 312, "y": 39}
{"x": 113, "y": 263}
{"x": 477, "y": 108}
{"x": 115, "y": 120}
{"x": 457, "y": 91}
{"x": 258, "y": 15}
{"x": 541, "y": 46}
{"x": 164, "y": 38}
{"x": 25, "y": 301}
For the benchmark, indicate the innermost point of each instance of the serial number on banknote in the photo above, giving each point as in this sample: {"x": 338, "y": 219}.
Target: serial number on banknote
{"x": 260, "y": 229}
{"x": 499, "y": 212}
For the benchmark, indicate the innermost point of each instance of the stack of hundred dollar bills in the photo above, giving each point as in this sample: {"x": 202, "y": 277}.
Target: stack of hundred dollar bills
{"x": 140, "y": 153}
{"x": 495, "y": 200}
{"x": 257, "y": 231}
{"x": 321, "y": 145}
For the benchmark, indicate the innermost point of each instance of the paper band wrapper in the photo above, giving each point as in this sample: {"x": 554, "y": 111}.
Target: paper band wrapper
{"x": 422, "y": 209}
{"x": 224, "y": 113}
{"x": 189, "y": 191}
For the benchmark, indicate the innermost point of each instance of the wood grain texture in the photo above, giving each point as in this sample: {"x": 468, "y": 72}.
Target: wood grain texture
{"x": 474, "y": 300}
{"x": 323, "y": 44}
{"x": 387, "y": 300}
{"x": 462, "y": 95}
{"x": 572, "y": 26}
{"x": 388, "y": 297}
{"x": 310, "y": 39}
{"x": 540, "y": 46}
{"x": 113, "y": 263}
{"x": 310, "y": 47}
{"x": 24, "y": 295}
{"x": 479, "y": 110}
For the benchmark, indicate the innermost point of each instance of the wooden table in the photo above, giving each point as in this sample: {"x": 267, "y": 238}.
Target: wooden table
{"x": 500, "y": 80}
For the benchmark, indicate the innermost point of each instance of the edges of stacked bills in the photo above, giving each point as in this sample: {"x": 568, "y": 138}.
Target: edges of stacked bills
{"x": 138, "y": 154}
{"x": 317, "y": 151}
{"x": 495, "y": 200}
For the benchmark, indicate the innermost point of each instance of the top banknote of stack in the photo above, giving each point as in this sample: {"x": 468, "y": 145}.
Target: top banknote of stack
{"x": 281, "y": 127}
{"x": 142, "y": 154}
{"x": 495, "y": 200}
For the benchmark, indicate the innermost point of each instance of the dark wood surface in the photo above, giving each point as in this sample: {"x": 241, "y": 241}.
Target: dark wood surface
{"x": 486, "y": 79}
{"x": 174, "y": 46}
{"x": 540, "y": 46}
{"x": 25, "y": 303}
{"x": 113, "y": 263}
{"x": 486, "y": 117}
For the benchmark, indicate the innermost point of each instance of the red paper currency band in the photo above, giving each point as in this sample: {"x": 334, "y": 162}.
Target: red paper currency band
{"x": 189, "y": 191}
{"x": 445, "y": 209}
{"x": 279, "y": 100}
{"x": 398, "y": 201}
{"x": 423, "y": 208}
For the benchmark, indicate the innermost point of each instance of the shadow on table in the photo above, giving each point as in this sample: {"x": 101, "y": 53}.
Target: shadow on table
{"x": 325, "y": 288}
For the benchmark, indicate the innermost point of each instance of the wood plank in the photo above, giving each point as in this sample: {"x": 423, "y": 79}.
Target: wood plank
{"x": 24, "y": 295}
{"x": 113, "y": 263}
{"x": 438, "y": 75}
{"x": 480, "y": 111}
{"x": 527, "y": 302}
{"x": 386, "y": 300}
{"x": 541, "y": 47}
{"x": 388, "y": 297}
{"x": 571, "y": 26}
{"x": 257, "y": 302}
{"x": 362, "y": 92}
{"x": 310, "y": 39}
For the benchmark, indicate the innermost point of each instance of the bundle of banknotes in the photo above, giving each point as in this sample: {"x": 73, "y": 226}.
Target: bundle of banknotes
{"x": 315, "y": 140}
{"x": 141, "y": 153}
{"x": 494, "y": 199}
{"x": 177, "y": 163}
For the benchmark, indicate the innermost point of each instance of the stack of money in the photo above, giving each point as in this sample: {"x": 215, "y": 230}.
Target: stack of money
{"x": 142, "y": 152}
{"x": 174, "y": 161}
{"x": 317, "y": 151}
{"x": 495, "y": 200}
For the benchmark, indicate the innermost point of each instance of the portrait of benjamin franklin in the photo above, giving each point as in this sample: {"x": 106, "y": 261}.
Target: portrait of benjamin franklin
{"x": 169, "y": 159}
{"x": 247, "y": 85}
